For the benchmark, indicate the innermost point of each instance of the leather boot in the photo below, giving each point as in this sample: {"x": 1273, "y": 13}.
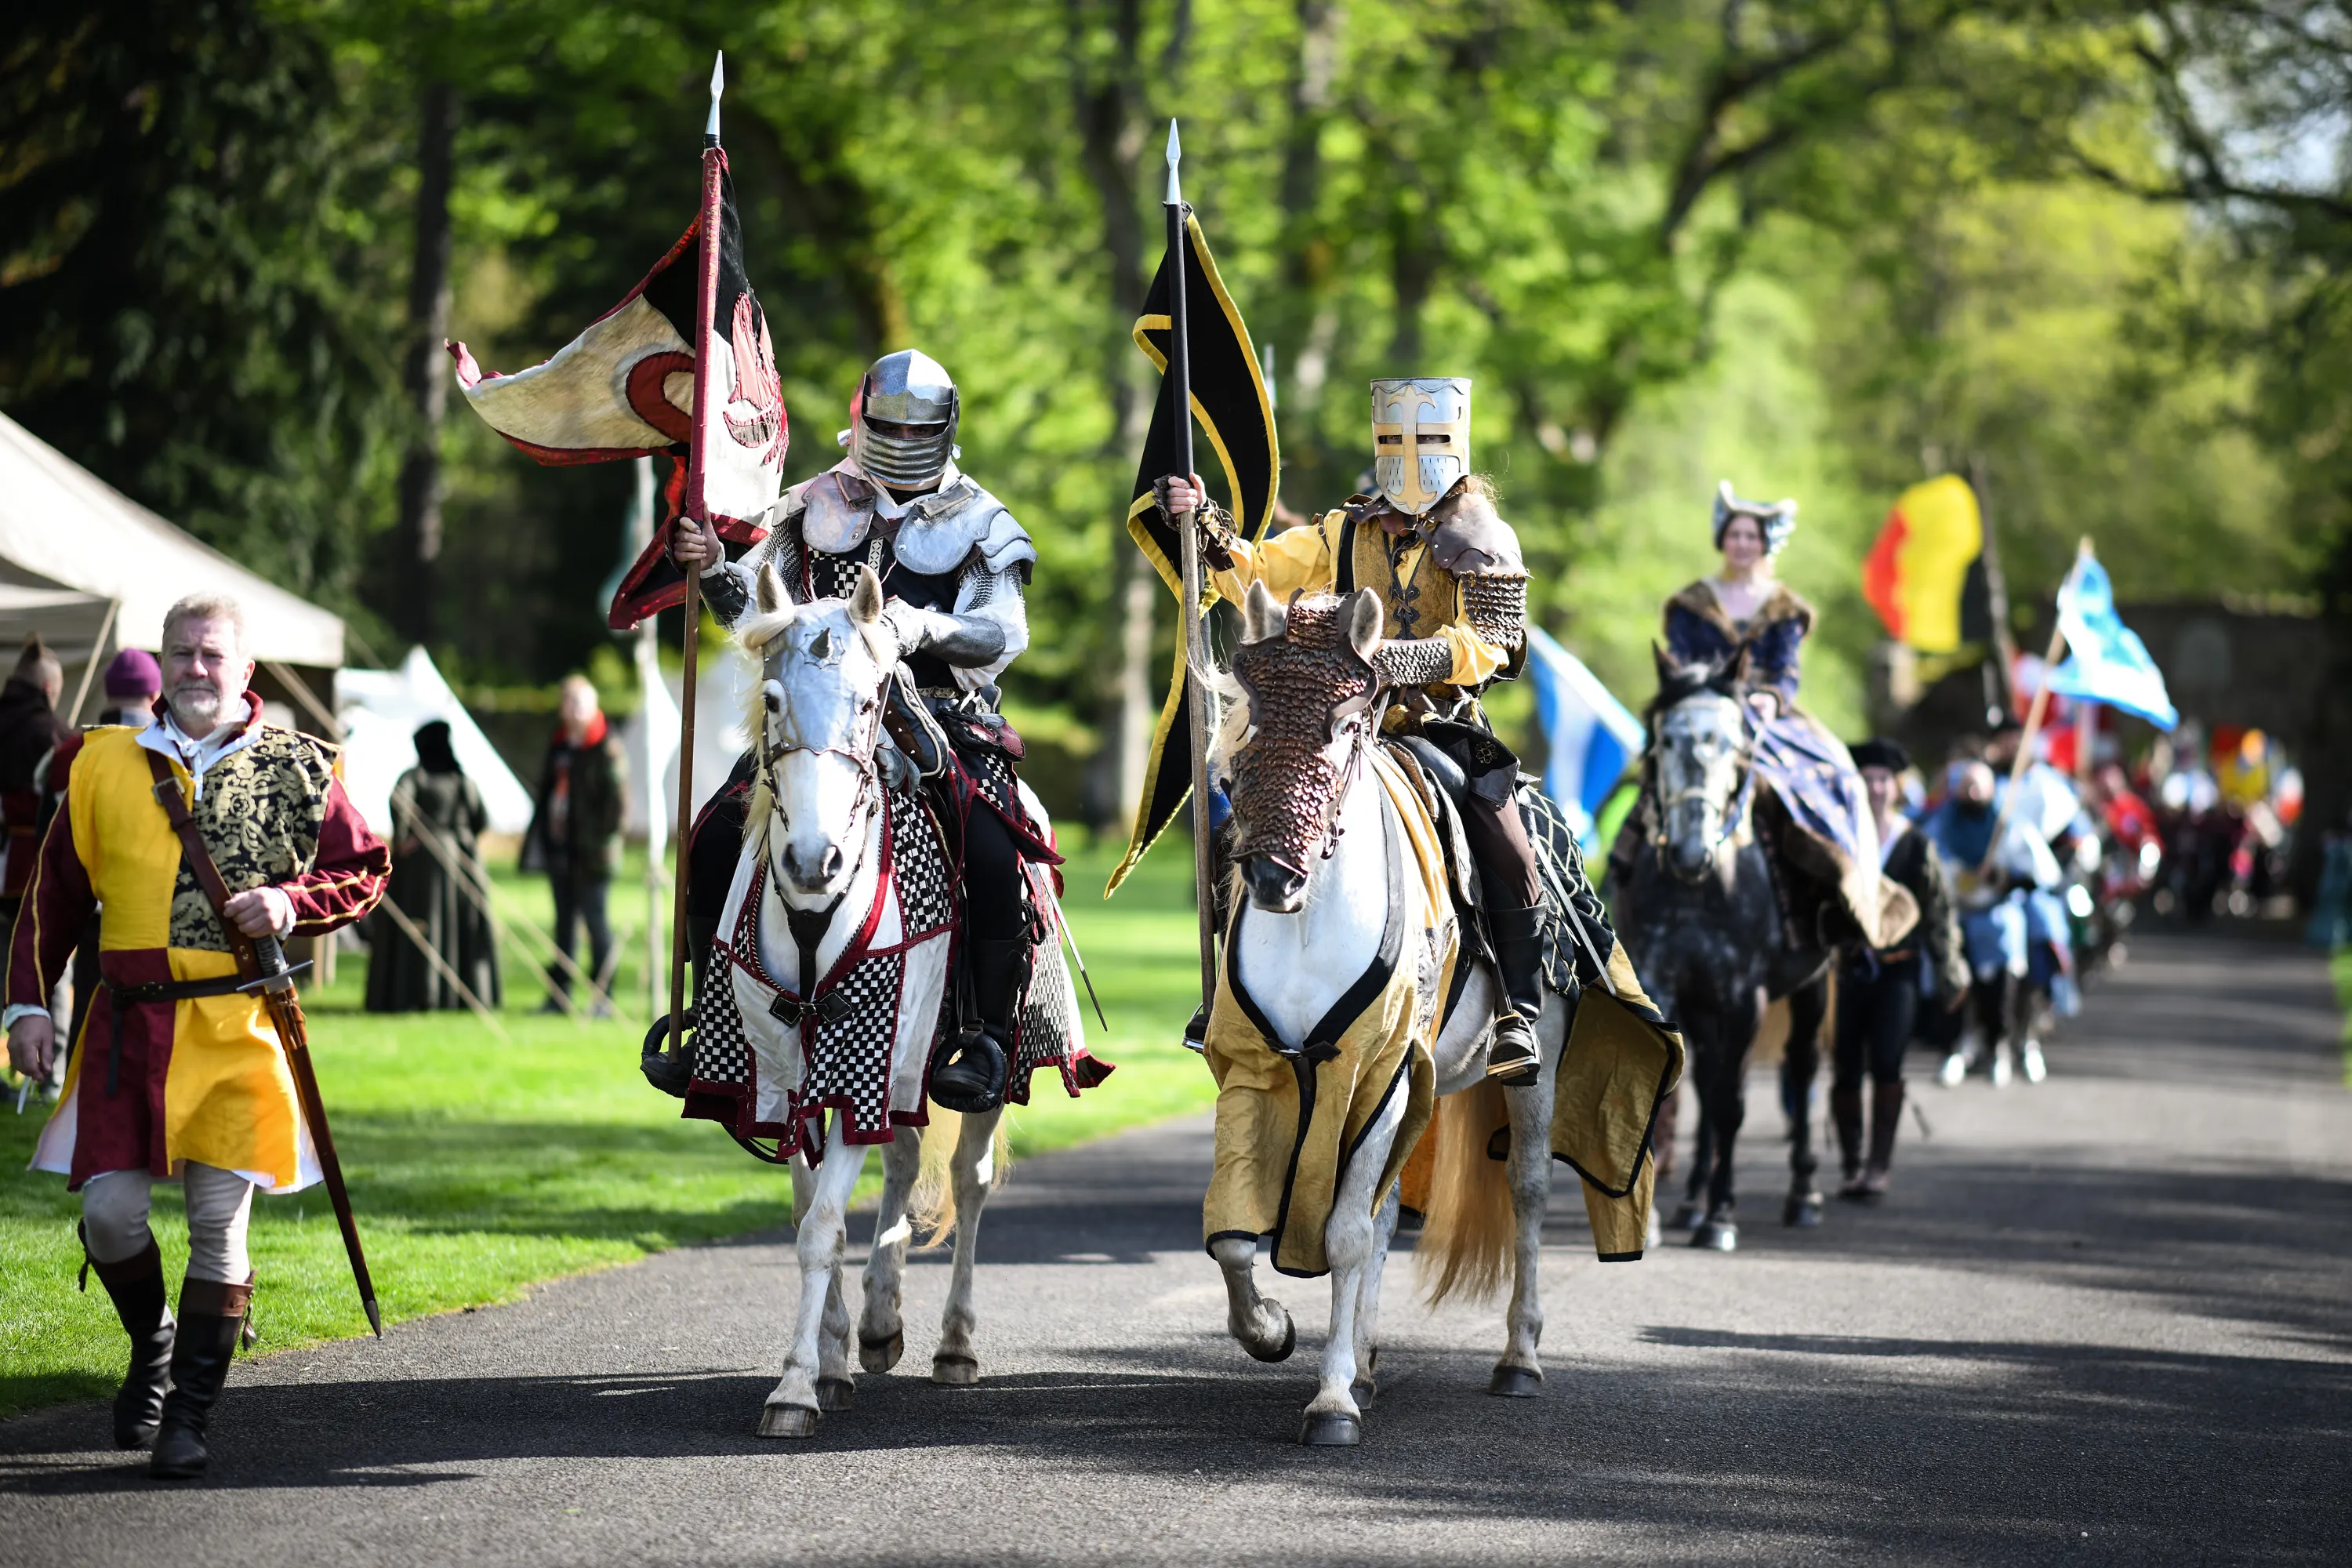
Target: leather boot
{"x": 968, "y": 1076}
{"x": 212, "y": 1317}
{"x": 1845, "y": 1109}
{"x": 136, "y": 1286}
{"x": 1514, "y": 1060}
{"x": 1886, "y": 1120}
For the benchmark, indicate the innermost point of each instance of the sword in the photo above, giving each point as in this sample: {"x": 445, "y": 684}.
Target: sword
{"x": 276, "y": 984}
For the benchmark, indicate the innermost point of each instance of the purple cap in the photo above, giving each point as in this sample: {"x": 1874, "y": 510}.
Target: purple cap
{"x": 133, "y": 673}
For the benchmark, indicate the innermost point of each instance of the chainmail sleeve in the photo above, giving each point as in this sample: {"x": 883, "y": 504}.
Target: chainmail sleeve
{"x": 1413, "y": 661}
{"x": 1496, "y": 605}
{"x": 994, "y": 599}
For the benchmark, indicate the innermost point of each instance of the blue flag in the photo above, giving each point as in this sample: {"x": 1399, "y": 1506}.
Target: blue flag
{"x": 2106, "y": 660}
{"x": 1591, "y": 734}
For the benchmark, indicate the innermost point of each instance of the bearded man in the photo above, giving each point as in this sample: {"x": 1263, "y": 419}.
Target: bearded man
{"x": 180, "y": 1076}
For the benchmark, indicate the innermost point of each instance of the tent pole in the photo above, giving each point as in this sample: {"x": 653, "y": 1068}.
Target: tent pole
{"x": 97, "y": 652}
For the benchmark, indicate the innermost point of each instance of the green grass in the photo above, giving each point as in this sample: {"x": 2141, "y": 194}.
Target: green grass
{"x": 480, "y": 1167}
{"x": 2341, "y": 963}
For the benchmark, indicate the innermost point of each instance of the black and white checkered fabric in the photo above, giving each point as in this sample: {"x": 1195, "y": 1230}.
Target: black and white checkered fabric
{"x": 848, "y": 1065}
{"x": 722, "y": 1054}
{"x": 1048, "y": 1034}
{"x": 926, "y": 882}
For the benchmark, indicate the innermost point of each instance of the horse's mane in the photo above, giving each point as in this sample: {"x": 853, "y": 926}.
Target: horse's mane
{"x": 1679, "y": 682}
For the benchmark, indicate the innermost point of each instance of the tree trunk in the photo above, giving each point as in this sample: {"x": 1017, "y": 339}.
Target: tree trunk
{"x": 427, "y": 377}
{"x": 1107, "y": 97}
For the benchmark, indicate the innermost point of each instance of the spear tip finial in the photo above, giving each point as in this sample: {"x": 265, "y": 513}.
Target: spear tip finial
{"x": 718, "y": 85}
{"x": 1175, "y": 156}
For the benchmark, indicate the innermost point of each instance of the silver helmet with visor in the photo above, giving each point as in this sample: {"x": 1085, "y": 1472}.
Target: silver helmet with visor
{"x": 902, "y": 421}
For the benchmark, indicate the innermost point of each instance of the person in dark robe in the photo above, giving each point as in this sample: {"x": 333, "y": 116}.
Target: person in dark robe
{"x": 29, "y": 730}
{"x": 437, "y": 820}
{"x": 575, "y": 837}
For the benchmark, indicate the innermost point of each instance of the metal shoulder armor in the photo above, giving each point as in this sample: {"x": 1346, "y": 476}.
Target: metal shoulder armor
{"x": 941, "y": 532}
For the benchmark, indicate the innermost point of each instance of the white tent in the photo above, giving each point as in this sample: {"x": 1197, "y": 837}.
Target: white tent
{"x": 61, "y": 529}
{"x": 381, "y": 710}
{"x": 719, "y": 688}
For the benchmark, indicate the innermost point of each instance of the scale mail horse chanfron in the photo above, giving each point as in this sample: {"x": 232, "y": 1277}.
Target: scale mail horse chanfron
{"x": 830, "y": 992}
{"x": 1351, "y": 1016}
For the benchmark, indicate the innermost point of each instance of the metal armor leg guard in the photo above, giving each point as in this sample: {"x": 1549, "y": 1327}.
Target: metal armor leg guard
{"x": 1514, "y": 1060}
{"x": 136, "y": 1287}
{"x": 212, "y": 1317}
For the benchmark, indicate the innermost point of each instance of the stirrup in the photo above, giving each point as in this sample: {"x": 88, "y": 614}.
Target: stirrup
{"x": 1513, "y": 1059}
{"x": 968, "y": 1073}
{"x": 1196, "y": 1032}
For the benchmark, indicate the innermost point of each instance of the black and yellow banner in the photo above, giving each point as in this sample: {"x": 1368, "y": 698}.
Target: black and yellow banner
{"x": 1230, "y": 401}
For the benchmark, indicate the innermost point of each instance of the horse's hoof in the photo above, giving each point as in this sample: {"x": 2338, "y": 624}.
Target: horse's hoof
{"x": 835, "y": 1393}
{"x": 1803, "y": 1210}
{"x": 1686, "y": 1218}
{"x": 951, "y": 1370}
{"x": 1516, "y": 1382}
{"x": 1281, "y": 1351}
{"x": 1331, "y": 1429}
{"x": 1364, "y": 1390}
{"x": 787, "y": 1421}
{"x": 1717, "y": 1235}
{"x": 881, "y": 1355}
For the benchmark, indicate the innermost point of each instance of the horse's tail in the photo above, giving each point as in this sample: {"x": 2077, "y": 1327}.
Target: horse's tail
{"x": 1468, "y": 1231}
{"x": 931, "y": 1206}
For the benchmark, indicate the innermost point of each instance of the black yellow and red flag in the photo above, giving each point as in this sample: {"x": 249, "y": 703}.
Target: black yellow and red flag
{"x": 1230, "y": 401}
{"x": 1925, "y": 573}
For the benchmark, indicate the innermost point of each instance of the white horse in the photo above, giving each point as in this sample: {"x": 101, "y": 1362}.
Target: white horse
{"x": 1314, "y": 926}
{"x": 815, "y": 849}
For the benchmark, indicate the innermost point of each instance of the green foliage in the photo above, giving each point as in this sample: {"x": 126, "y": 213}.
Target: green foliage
{"x": 1817, "y": 245}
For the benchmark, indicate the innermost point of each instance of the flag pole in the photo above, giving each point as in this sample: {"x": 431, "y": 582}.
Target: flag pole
{"x": 2035, "y": 712}
{"x": 706, "y": 376}
{"x": 1196, "y": 653}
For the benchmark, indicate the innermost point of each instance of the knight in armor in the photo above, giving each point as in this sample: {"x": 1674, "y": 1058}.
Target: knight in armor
{"x": 953, "y": 565}
{"x": 1429, "y": 541}
{"x": 1814, "y": 821}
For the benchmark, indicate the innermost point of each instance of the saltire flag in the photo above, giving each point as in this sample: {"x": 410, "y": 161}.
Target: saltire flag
{"x": 2106, "y": 660}
{"x": 624, "y": 388}
{"x": 1925, "y": 575}
{"x": 1236, "y": 412}
{"x": 1590, "y": 735}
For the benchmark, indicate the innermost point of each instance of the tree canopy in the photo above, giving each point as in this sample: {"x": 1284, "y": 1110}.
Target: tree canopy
{"x": 1820, "y": 247}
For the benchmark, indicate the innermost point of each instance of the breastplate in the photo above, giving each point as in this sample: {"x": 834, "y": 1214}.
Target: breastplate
{"x": 832, "y": 577}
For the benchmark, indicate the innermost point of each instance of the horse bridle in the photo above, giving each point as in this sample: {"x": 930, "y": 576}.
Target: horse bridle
{"x": 1734, "y": 814}
{"x": 863, "y": 750}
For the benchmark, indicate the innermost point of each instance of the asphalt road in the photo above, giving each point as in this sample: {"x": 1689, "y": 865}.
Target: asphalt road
{"x": 2105, "y": 1318}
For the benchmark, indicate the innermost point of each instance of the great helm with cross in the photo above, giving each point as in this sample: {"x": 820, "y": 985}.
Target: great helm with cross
{"x": 1421, "y": 438}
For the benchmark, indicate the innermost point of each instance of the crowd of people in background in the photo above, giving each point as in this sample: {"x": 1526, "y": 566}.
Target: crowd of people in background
{"x": 2028, "y": 878}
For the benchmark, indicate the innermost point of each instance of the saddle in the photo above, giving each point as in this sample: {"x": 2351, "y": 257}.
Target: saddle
{"x": 1442, "y": 784}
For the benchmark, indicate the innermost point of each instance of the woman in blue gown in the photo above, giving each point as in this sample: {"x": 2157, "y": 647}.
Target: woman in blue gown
{"x": 1823, "y": 842}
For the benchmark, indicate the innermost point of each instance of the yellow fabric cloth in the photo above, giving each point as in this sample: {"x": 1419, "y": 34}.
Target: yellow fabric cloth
{"x": 1307, "y": 559}
{"x": 229, "y": 1095}
{"x": 1619, "y": 1063}
{"x": 1274, "y": 1177}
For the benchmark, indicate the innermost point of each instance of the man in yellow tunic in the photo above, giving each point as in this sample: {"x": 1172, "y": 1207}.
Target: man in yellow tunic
{"x": 179, "y": 1076}
{"x": 1448, "y": 568}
